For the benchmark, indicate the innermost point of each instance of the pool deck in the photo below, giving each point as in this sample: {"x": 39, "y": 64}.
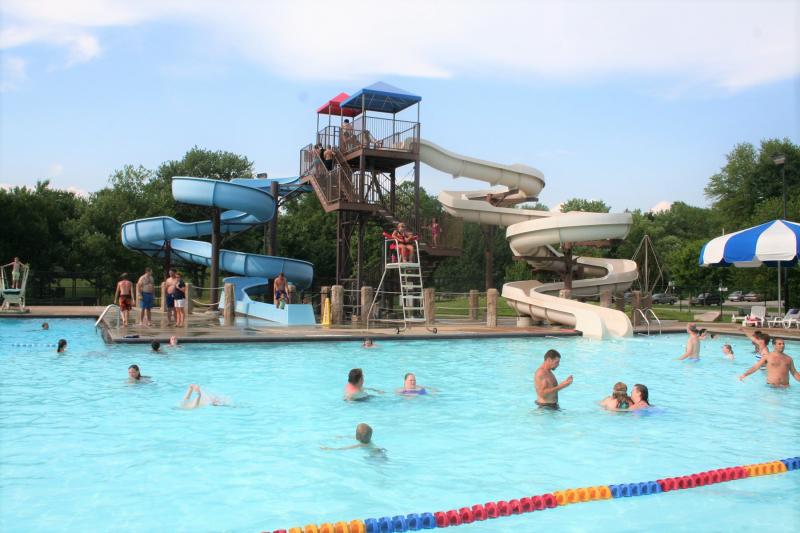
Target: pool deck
{"x": 206, "y": 328}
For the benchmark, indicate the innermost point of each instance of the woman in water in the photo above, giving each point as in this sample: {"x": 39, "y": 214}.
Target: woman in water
{"x": 619, "y": 399}
{"x": 640, "y": 397}
{"x": 410, "y": 387}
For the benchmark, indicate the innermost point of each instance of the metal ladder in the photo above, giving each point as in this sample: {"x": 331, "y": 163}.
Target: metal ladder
{"x": 646, "y": 321}
{"x": 411, "y": 289}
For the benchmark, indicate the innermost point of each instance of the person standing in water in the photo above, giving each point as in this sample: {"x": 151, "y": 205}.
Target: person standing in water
{"x": 778, "y": 364}
{"x": 640, "y": 397}
{"x": 693, "y": 343}
{"x": 544, "y": 380}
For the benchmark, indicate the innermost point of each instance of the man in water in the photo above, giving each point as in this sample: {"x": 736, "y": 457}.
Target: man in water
{"x": 778, "y": 364}
{"x": 354, "y": 390}
{"x": 693, "y": 343}
{"x": 547, "y": 386}
{"x": 45, "y": 326}
{"x": 155, "y": 346}
{"x": 62, "y": 346}
{"x": 135, "y": 376}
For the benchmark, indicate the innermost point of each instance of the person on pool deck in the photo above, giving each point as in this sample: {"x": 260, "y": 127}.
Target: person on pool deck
{"x": 355, "y": 390}
{"x": 640, "y": 397}
{"x": 145, "y": 288}
{"x": 179, "y": 297}
{"x": 62, "y": 346}
{"x": 727, "y": 351}
{"x": 124, "y": 296}
{"x": 693, "y": 343}
{"x": 619, "y": 399}
{"x": 155, "y": 346}
{"x": 410, "y": 386}
{"x": 135, "y": 376}
{"x": 169, "y": 287}
{"x": 544, "y": 380}
{"x": 45, "y": 326}
{"x": 778, "y": 364}
{"x": 201, "y": 400}
{"x": 279, "y": 286}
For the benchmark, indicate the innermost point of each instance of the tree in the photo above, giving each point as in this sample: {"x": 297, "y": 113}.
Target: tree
{"x": 581, "y": 204}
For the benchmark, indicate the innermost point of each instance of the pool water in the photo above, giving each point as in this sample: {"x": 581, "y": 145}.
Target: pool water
{"x": 81, "y": 449}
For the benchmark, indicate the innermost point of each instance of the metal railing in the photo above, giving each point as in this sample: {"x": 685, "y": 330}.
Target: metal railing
{"x": 105, "y": 312}
{"x": 650, "y": 310}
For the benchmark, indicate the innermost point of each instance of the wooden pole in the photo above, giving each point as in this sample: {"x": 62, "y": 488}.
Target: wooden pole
{"x": 337, "y": 305}
{"x": 429, "y": 303}
{"x": 189, "y": 303}
{"x": 229, "y": 312}
{"x": 473, "y": 304}
{"x": 367, "y": 294}
{"x": 491, "y": 308}
{"x": 488, "y": 242}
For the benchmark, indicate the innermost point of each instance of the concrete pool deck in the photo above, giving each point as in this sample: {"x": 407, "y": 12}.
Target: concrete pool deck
{"x": 206, "y": 328}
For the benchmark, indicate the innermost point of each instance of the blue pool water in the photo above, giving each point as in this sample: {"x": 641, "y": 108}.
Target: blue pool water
{"x": 83, "y": 450}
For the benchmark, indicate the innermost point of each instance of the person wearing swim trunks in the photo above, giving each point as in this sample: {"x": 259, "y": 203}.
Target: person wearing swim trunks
{"x": 145, "y": 288}
{"x": 778, "y": 365}
{"x": 179, "y": 296}
{"x": 619, "y": 399}
{"x": 279, "y": 286}
{"x": 355, "y": 390}
{"x": 693, "y": 343}
{"x": 169, "y": 288}
{"x": 640, "y": 397}
{"x": 124, "y": 296}
{"x": 16, "y": 269}
{"x": 544, "y": 380}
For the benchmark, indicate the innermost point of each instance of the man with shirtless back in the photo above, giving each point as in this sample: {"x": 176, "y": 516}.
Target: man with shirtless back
{"x": 693, "y": 343}
{"x": 123, "y": 295}
{"x": 169, "y": 285}
{"x": 544, "y": 380}
{"x": 779, "y": 366}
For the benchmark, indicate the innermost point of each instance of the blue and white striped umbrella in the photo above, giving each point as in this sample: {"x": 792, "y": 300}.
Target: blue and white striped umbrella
{"x": 769, "y": 244}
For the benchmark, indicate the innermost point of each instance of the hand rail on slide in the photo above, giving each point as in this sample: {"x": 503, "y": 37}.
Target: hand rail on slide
{"x": 105, "y": 311}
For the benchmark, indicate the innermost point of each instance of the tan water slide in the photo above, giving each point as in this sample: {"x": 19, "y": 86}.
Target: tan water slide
{"x": 531, "y": 235}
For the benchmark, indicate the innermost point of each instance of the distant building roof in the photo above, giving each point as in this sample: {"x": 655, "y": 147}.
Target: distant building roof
{"x": 331, "y": 107}
{"x": 381, "y": 97}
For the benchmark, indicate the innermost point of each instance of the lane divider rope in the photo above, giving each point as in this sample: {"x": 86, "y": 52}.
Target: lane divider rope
{"x": 527, "y": 504}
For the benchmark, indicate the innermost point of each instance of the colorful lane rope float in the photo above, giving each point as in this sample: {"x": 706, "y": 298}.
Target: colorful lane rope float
{"x": 528, "y": 504}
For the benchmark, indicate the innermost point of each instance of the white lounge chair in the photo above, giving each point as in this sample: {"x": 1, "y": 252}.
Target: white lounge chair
{"x": 792, "y": 318}
{"x": 757, "y": 316}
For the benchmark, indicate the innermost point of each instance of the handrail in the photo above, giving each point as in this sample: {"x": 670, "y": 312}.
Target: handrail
{"x": 644, "y": 317}
{"x": 105, "y": 311}
{"x": 650, "y": 309}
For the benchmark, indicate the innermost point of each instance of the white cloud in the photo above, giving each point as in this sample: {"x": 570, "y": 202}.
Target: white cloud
{"x": 12, "y": 73}
{"x": 717, "y": 43}
{"x": 55, "y": 170}
{"x": 556, "y": 208}
{"x": 660, "y": 207}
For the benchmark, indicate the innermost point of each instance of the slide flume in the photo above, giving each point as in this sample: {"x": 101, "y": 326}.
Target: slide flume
{"x": 532, "y": 233}
{"x": 247, "y": 203}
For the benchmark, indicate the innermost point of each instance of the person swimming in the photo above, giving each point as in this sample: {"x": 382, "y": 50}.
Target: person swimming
{"x": 640, "y": 397}
{"x": 364, "y": 438}
{"x": 62, "y": 346}
{"x": 410, "y": 387}
{"x": 727, "y": 351}
{"x": 135, "y": 375}
{"x": 45, "y": 326}
{"x": 619, "y": 399}
{"x": 368, "y": 343}
{"x": 155, "y": 346}
{"x": 201, "y": 400}
{"x": 355, "y": 390}
{"x": 173, "y": 341}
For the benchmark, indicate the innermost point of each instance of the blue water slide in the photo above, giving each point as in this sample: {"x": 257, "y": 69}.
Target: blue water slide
{"x": 247, "y": 202}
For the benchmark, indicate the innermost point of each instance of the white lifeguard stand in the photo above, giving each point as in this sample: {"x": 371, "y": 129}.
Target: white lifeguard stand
{"x": 410, "y": 277}
{"x": 12, "y": 296}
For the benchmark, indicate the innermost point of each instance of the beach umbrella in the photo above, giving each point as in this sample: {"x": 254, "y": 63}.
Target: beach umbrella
{"x": 774, "y": 244}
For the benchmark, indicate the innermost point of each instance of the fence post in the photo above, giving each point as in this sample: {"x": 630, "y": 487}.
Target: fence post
{"x": 428, "y": 299}
{"x": 473, "y": 304}
{"x": 290, "y": 291}
{"x": 229, "y": 313}
{"x": 605, "y": 298}
{"x": 636, "y": 303}
{"x": 189, "y": 304}
{"x": 163, "y": 297}
{"x": 491, "y": 308}
{"x": 367, "y": 293}
{"x": 337, "y": 305}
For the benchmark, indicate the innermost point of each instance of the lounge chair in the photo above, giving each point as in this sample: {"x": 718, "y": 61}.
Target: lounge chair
{"x": 757, "y": 316}
{"x": 791, "y": 318}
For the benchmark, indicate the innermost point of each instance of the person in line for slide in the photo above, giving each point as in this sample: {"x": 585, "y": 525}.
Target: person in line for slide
{"x": 778, "y": 364}
{"x": 135, "y": 375}
{"x": 169, "y": 288}
{"x": 179, "y": 296}
{"x": 279, "y": 287}
{"x": 355, "y": 390}
{"x": 545, "y": 382}
{"x": 693, "y": 342}
{"x": 727, "y": 351}
{"x": 62, "y": 346}
{"x": 123, "y": 296}
{"x": 619, "y": 399}
{"x": 145, "y": 289}
{"x": 640, "y": 397}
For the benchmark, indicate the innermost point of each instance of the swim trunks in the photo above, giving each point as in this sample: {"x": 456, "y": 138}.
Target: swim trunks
{"x": 551, "y": 406}
{"x": 170, "y": 301}
{"x": 15, "y": 275}
{"x": 125, "y": 302}
{"x": 147, "y": 300}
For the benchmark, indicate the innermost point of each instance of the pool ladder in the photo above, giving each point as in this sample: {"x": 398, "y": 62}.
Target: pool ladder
{"x": 644, "y": 313}
{"x": 105, "y": 312}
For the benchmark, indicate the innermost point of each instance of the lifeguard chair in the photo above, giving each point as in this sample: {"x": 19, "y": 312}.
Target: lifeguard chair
{"x": 14, "y": 296}
{"x": 410, "y": 277}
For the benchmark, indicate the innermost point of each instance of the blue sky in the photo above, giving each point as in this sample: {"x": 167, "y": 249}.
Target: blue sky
{"x": 634, "y": 103}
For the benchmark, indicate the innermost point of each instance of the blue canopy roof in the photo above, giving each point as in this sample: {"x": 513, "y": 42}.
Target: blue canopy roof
{"x": 381, "y": 97}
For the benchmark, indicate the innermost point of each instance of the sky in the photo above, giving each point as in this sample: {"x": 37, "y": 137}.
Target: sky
{"x": 634, "y": 103}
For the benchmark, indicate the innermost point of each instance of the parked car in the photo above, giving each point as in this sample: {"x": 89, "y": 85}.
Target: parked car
{"x": 753, "y": 297}
{"x": 736, "y": 296}
{"x": 664, "y": 298}
{"x": 707, "y": 298}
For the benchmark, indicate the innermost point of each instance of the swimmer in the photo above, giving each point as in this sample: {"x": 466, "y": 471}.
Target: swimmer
{"x": 727, "y": 351}
{"x": 364, "y": 438}
{"x": 355, "y": 390}
{"x": 544, "y": 380}
{"x": 368, "y": 343}
{"x": 619, "y": 399}
{"x": 778, "y": 364}
{"x": 62, "y": 346}
{"x": 173, "y": 341}
{"x": 156, "y": 346}
{"x": 45, "y": 326}
{"x": 640, "y": 397}
{"x": 201, "y": 400}
{"x": 693, "y": 343}
{"x": 760, "y": 342}
{"x": 135, "y": 376}
{"x": 410, "y": 387}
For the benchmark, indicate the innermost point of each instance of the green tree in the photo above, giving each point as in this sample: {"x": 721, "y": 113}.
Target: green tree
{"x": 588, "y": 206}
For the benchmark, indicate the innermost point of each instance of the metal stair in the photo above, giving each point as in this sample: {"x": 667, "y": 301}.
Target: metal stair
{"x": 411, "y": 288}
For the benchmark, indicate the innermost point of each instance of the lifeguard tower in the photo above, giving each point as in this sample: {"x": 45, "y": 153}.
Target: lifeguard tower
{"x": 373, "y": 134}
{"x": 13, "y": 296}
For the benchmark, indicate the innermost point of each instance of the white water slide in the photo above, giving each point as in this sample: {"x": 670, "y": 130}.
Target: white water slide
{"x": 531, "y": 235}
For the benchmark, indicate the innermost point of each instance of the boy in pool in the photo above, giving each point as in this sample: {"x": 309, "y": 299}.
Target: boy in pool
{"x": 364, "y": 438}
{"x": 368, "y": 343}
{"x": 156, "y": 346}
{"x": 62, "y": 346}
{"x": 727, "y": 351}
{"x": 45, "y": 326}
{"x": 354, "y": 390}
{"x": 693, "y": 343}
{"x": 173, "y": 341}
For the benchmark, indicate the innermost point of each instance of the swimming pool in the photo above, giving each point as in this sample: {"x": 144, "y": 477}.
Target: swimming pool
{"x": 81, "y": 449}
